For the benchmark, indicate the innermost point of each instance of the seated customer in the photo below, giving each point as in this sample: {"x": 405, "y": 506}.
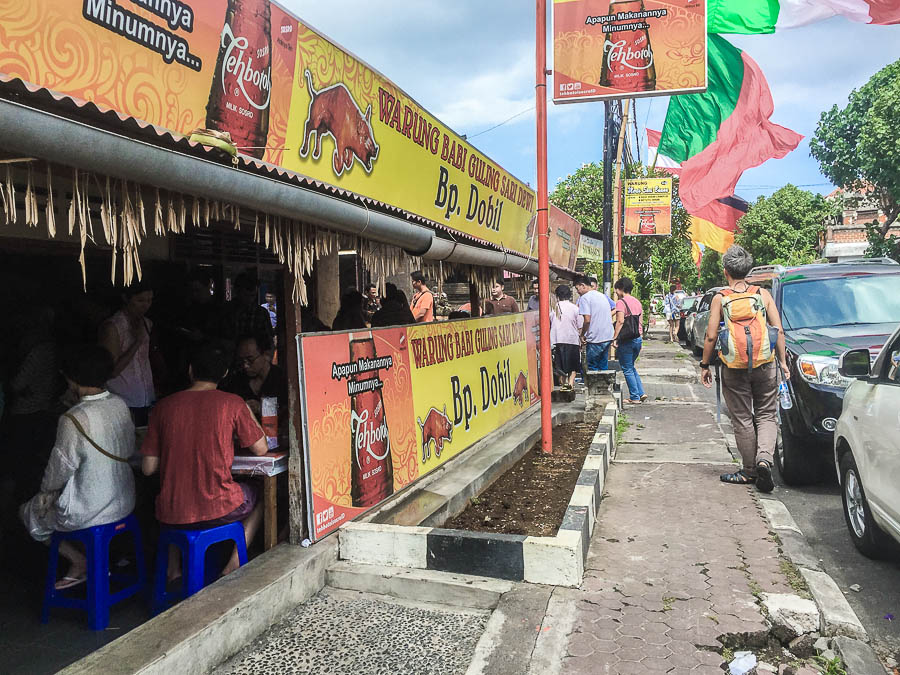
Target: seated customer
{"x": 190, "y": 442}
{"x": 394, "y": 310}
{"x": 256, "y": 378}
{"x": 88, "y": 481}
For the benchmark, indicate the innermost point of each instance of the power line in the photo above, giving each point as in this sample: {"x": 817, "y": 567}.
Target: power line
{"x": 506, "y": 121}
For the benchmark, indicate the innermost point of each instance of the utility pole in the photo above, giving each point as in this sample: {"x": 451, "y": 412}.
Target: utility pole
{"x": 608, "y": 140}
{"x": 540, "y": 95}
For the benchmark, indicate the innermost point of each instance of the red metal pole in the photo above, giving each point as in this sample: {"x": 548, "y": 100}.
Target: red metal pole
{"x": 540, "y": 95}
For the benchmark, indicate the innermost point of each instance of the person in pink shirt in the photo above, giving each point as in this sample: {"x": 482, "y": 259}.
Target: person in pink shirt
{"x": 565, "y": 329}
{"x": 627, "y": 337}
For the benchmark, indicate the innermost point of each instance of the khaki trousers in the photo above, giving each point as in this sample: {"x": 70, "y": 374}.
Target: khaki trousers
{"x": 752, "y": 400}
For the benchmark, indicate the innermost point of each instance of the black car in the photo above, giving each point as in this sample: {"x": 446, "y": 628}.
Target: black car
{"x": 826, "y": 310}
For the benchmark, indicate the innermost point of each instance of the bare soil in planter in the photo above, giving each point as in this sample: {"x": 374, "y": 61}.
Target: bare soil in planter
{"x": 531, "y": 498}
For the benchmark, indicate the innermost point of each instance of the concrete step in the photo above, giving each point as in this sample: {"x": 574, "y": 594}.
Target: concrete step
{"x": 458, "y": 590}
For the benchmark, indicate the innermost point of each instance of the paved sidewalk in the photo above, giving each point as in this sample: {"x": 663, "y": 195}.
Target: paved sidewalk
{"x": 678, "y": 559}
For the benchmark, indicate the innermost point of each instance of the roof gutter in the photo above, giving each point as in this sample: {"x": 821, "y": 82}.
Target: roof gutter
{"x": 37, "y": 133}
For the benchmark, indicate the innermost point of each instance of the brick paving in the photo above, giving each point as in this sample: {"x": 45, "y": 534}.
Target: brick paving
{"x": 675, "y": 564}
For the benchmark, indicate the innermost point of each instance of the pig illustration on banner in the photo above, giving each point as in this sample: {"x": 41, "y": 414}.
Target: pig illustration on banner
{"x": 520, "y": 389}
{"x": 333, "y": 112}
{"x": 436, "y": 428}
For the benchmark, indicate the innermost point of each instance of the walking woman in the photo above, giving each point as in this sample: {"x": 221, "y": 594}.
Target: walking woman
{"x": 565, "y": 332}
{"x": 627, "y": 337}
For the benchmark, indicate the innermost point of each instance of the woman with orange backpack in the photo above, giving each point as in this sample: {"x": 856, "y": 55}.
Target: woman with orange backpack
{"x": 749, "y": 343}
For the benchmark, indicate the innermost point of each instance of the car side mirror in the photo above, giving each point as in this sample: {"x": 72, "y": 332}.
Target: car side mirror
{"x": 854, "y": 363}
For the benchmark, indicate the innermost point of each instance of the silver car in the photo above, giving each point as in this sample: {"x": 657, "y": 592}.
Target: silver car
{"x": 697, "y": 334}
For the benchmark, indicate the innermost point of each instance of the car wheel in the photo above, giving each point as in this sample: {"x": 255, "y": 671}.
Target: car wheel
{"x": 793, "y": 460}
{"x": 864, "y": 531}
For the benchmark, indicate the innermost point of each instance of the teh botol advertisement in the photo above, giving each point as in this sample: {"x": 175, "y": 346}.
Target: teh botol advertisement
{"x": 628, "y": 48}
{"x": 390, "y": 405}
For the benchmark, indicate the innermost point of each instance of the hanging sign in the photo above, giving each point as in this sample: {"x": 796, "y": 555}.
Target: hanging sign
{"x": 648, "y": 206}
{"x": 627, "y": 48}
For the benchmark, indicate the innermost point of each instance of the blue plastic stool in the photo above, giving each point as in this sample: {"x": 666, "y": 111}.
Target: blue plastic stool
{"x": 99, "y": 597}
{"x": 193, "y": 545}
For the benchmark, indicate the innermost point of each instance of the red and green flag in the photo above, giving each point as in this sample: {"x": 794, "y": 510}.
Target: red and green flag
{"x": 719, "y": 134}
{"x": 767, "y": 16}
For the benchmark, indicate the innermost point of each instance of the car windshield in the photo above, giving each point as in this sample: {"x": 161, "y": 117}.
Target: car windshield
{"x": 689, "y": 303}
{"x": 841, "y": 301}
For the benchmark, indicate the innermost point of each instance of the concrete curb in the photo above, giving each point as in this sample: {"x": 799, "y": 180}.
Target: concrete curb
{"x": 208, "y": 628}
{"x": 838, "y": 620}
{"x": 557, "y": 561}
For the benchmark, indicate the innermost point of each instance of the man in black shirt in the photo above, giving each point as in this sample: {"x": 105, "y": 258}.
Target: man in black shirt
{"x": 257, "y": 378}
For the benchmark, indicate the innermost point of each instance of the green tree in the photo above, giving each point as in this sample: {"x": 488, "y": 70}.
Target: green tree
{"x": 711, "y": 274}
{"x": 784, "y": 228}
{"x": 858, "y": 146}
{"x": 651, "y": 259}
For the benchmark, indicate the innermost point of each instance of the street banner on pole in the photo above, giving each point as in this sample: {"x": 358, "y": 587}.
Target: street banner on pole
{"x": 648, "y": 206}
{"x": 390, "y": 405}
{"x": 606, "y": 49}
{"x": 284, "y": 92}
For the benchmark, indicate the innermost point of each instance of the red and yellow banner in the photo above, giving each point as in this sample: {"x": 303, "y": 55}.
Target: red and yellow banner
{"x": 285, "y": 93}
{"x": 606, "y": 49}
{"x": 390, "y": 405}
{"x": 648, "y": 206}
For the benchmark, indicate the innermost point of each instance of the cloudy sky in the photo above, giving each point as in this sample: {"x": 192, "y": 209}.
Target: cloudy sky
{"x": 471, "y": 63}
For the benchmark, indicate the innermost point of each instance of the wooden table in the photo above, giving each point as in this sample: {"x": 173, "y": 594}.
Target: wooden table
{"x": 270, "y": 499}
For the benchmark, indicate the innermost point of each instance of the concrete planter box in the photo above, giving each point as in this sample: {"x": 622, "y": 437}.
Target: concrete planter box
{"x": 555, "y": 560}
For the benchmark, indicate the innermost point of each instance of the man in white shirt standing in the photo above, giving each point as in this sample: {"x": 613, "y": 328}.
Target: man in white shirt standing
{"x": 597, "y": 331}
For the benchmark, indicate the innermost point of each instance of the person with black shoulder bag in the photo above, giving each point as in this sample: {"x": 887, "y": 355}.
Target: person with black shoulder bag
{"x": 628, "y": 338}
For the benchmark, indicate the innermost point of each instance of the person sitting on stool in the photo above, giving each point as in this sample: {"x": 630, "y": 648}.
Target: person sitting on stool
{"x": 88, "y": 481}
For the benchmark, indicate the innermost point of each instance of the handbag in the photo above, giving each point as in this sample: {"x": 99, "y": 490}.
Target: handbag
{"x": 91, "y": 440}
{"x": 631, "y": 327}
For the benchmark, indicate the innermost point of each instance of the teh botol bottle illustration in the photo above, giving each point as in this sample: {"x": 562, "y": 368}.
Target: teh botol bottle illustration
{"x": 242, "y": 83}
{"x": 628, "y": 62}
{"x": 372, "y": 472}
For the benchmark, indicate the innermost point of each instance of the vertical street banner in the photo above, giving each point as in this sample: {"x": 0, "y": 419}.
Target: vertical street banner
{"x": 606, "y": 49}
{"x": 384, "y": 407}
{"x": 648, "y": 206}
{"x": 285, "y": 93}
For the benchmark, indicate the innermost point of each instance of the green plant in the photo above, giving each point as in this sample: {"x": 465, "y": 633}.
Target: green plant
{"x": 831, "y": 666}
{"x": 621, "y": 427}
{"x": 727, "y": 654}
{"x": 668, "y": 603}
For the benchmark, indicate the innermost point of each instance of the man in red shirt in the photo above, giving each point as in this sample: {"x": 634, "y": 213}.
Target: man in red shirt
{"x": 190, "y": 442}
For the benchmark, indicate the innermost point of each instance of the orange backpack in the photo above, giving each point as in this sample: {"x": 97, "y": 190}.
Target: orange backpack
{"x": 745, "y": 340}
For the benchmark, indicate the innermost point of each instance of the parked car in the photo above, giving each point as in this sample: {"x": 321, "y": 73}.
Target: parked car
{"x": 867, "y": 447}
{"x": 826, "y": 309}
{"x": 688, "y": 307}
{"x": 696, "y": 335}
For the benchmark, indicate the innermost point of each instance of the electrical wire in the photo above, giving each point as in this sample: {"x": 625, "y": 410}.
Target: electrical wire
{"x": 496, "y": 126}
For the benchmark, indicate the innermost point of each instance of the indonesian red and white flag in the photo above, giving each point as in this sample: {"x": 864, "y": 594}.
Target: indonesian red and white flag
{"x": 661, "y": 161}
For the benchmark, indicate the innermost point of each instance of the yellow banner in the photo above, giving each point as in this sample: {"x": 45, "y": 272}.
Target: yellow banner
{"x": 285, "y": 93}
{"x": 468, "y": 378}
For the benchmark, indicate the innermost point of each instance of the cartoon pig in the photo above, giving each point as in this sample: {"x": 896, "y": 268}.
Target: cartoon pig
{"x": 520, "y": 389}
{"x": 332, "y": 111}
{"x": 436, "y": 427}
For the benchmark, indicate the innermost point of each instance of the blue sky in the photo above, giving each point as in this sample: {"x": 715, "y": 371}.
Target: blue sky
{"x": 471, "y": 63}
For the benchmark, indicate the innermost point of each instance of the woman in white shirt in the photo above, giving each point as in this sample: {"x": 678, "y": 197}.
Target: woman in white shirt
{"x": 88, "y": 480}
{"x": 126, "y": 335}
{"x": 565, "y": 331}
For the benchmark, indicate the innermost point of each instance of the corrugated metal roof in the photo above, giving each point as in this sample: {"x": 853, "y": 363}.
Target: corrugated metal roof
{"x": 15, "y": 89}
